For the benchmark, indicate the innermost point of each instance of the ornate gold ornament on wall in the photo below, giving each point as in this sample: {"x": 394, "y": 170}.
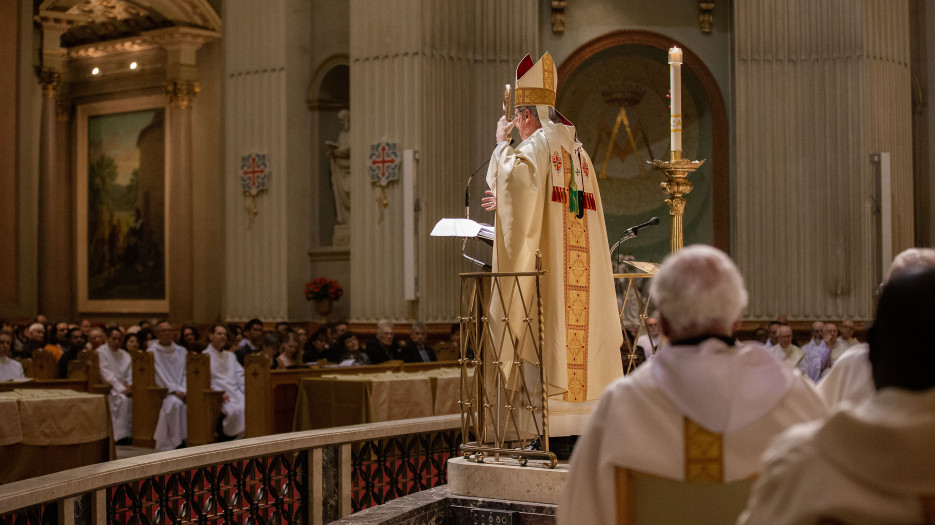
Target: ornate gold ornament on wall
{"x": 182, "y": 92}
{"x": 558, "y": 15}
{"x": 706, "y": 15}
{"x": 50, "y": 81}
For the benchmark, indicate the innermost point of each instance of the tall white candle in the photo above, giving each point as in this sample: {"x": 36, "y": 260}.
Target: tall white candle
{"x": 675, "y": 88}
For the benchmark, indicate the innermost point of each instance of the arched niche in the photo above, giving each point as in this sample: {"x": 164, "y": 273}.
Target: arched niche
{"x": 329, "y": 93}
{"x": 629, "y": 69}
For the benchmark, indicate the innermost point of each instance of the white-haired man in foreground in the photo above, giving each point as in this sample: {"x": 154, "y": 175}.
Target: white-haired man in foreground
{"x": 701, "y": 383}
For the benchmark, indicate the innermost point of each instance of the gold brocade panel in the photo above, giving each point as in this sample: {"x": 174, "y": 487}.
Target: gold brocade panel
{"x": 577, "y": 278}
{"x": 704, "y": 454}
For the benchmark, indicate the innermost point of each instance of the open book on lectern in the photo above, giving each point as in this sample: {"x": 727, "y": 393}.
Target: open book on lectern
{"x": 465, "y": 229}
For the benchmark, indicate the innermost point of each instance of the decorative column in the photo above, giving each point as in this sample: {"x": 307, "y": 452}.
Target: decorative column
{"x": 54, "y": 235}
{"x": 181, "y": 88}
{"x": 820, "y": 86}
{"x": 435, "y": 88}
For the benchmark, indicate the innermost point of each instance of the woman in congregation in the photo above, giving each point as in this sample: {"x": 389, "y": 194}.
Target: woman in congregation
{"x": 270, "y": 346}
{"x": 290, "y": 356}
{"x": 10, "y": 369}
{"x": 348, "y": 347}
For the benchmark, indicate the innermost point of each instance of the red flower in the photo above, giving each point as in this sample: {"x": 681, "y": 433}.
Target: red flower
{"x": 321, "y": 288}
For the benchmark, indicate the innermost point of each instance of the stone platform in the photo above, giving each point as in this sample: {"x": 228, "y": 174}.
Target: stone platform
{"x": 488, "y": 492}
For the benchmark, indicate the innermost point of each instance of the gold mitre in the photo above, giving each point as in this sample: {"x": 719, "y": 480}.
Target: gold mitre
{"x": 536, "y": 83}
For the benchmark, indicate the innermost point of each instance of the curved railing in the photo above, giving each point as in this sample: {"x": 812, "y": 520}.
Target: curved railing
{"x": 301, "y": 477}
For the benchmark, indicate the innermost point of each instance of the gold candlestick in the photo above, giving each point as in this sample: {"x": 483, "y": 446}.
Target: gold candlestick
{"x": 676, "y": 185}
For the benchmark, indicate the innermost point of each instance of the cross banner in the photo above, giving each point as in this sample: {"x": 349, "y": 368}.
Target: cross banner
{"x": 384, "y": 163}
{"x": 254, "y": 173}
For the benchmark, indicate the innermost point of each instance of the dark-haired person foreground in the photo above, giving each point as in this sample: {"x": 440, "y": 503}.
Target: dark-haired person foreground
{"x": 874, "y": 463}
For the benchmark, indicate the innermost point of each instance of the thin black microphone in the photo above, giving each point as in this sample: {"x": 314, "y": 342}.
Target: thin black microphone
{"x": 467, "y": 188}
{"x": 636, "y": 229}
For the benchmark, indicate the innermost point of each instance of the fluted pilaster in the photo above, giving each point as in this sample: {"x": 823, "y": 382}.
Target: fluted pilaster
{"x": 255, "y": 122}
{"x": 819, "y": 87}
{"x": 406, "y": 72}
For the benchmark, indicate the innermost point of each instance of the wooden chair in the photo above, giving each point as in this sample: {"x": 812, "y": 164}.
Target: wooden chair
{"x": 147, "y": 399}
{"x": 204, "y": 404}
{"x": 702, "y": 498}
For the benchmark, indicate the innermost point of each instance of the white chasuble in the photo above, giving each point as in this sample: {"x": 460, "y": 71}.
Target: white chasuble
{"x": 739, "y": 392}
{"x": 10, "y": 369}
{"x": 117, "y": 370}
{"x": 227, "y": 376}
{"x": 548, "y": 201}
{"x": 172, "y": 427}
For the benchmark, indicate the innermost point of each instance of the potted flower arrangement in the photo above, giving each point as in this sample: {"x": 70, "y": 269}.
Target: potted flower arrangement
{"x": 324, "y": 292}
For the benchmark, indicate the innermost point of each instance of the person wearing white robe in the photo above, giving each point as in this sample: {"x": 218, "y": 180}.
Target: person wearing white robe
{"x": 117, "y": 371}
{"x": 169, "y": 358}
{"x": 10, "y": 369}
{"x": 850, "y": 382}
{"x": 649, "y": 342}
{"x": 546, "y": 195}
{"x": 701, "y": 375}
{"x": 788, "y": 353}
{"x": 812, "y": 348}
{"x": 227, "y": 376}
{"x": 873, "y": 463}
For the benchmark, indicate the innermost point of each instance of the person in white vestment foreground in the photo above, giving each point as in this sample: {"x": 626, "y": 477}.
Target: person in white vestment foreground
{"x": 169, "y": 359}
{"x": 850, "y": 381}
{"x": 700, "y": 377}
{"x": 227, "y": 376}
{"x": 117, "y": 371}
{"x": 874, "y": 463}
{"x": 10, "y": 369}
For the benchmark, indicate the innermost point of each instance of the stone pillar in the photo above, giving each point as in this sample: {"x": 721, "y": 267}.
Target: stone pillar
{"x": 55, "y": 232}
{"x": 819, "y": 87}
{"x": 404, "y": 77}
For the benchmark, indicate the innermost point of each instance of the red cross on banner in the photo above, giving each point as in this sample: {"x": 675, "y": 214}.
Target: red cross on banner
{"x": 384, "y": 162}
{"x": 254, "y": 173}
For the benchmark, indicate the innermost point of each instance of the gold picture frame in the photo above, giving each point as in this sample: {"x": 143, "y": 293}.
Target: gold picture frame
{"x": 122, "y": 206}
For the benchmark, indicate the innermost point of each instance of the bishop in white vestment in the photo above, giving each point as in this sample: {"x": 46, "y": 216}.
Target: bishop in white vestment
{"x": 169, "y": 358}
{"x": 547, "y": 200}
{"x": 227, "y": 376}
{"x": 116, "y": 367}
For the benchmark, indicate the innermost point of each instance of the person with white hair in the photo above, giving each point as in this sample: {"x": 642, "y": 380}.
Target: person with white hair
{"x": 701, "y": 384}
{"x": 871, "y": 463}
{"x": 850, "y": 382}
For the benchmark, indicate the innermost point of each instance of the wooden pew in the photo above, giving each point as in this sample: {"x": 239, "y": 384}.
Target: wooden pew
{"x": 147, "y": 399}
{"x": 271, "y": 394}
{"x": 204, "y": 404}
{"x": 43, "y": 365}
{"x": 86, "y": 366}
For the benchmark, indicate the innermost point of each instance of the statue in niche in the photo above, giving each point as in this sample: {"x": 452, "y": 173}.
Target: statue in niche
{"x": 340, "y": 154}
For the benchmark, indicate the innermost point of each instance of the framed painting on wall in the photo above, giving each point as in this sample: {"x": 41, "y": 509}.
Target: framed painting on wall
{"x": 121, "y": 206}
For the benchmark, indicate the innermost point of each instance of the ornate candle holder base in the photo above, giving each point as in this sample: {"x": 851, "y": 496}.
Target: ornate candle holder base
{"x": 676, "y": 186}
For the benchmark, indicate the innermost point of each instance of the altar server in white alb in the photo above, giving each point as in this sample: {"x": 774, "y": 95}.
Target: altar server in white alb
{"x": 702, "y": 388}
{"x": 117, "y": 371}
{"x": 547, "y": 200}
{"x": 10, "y": 369}
{"x": 874, "y": 462}
{"x": 227, "y": 377}
{"x": 169, "y": 359}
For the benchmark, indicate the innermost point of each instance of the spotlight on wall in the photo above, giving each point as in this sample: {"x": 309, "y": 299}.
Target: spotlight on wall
{"x": 96, "y": 71}
{"x": 132, "y": 65}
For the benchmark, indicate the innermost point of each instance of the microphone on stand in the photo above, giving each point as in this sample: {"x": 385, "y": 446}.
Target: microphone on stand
{"x": 467, "y": 191}
{"x": 651, "y": 222}
{"x": 633, "y": 232}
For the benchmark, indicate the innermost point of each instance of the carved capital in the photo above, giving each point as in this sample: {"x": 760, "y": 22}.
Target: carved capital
{"x": 558, "y": 15}
{"x": 50, "y": 81}
{"x": 706, "y": 15}
{"x": 181, "y": 93}
{"x": 676, "y": 206}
